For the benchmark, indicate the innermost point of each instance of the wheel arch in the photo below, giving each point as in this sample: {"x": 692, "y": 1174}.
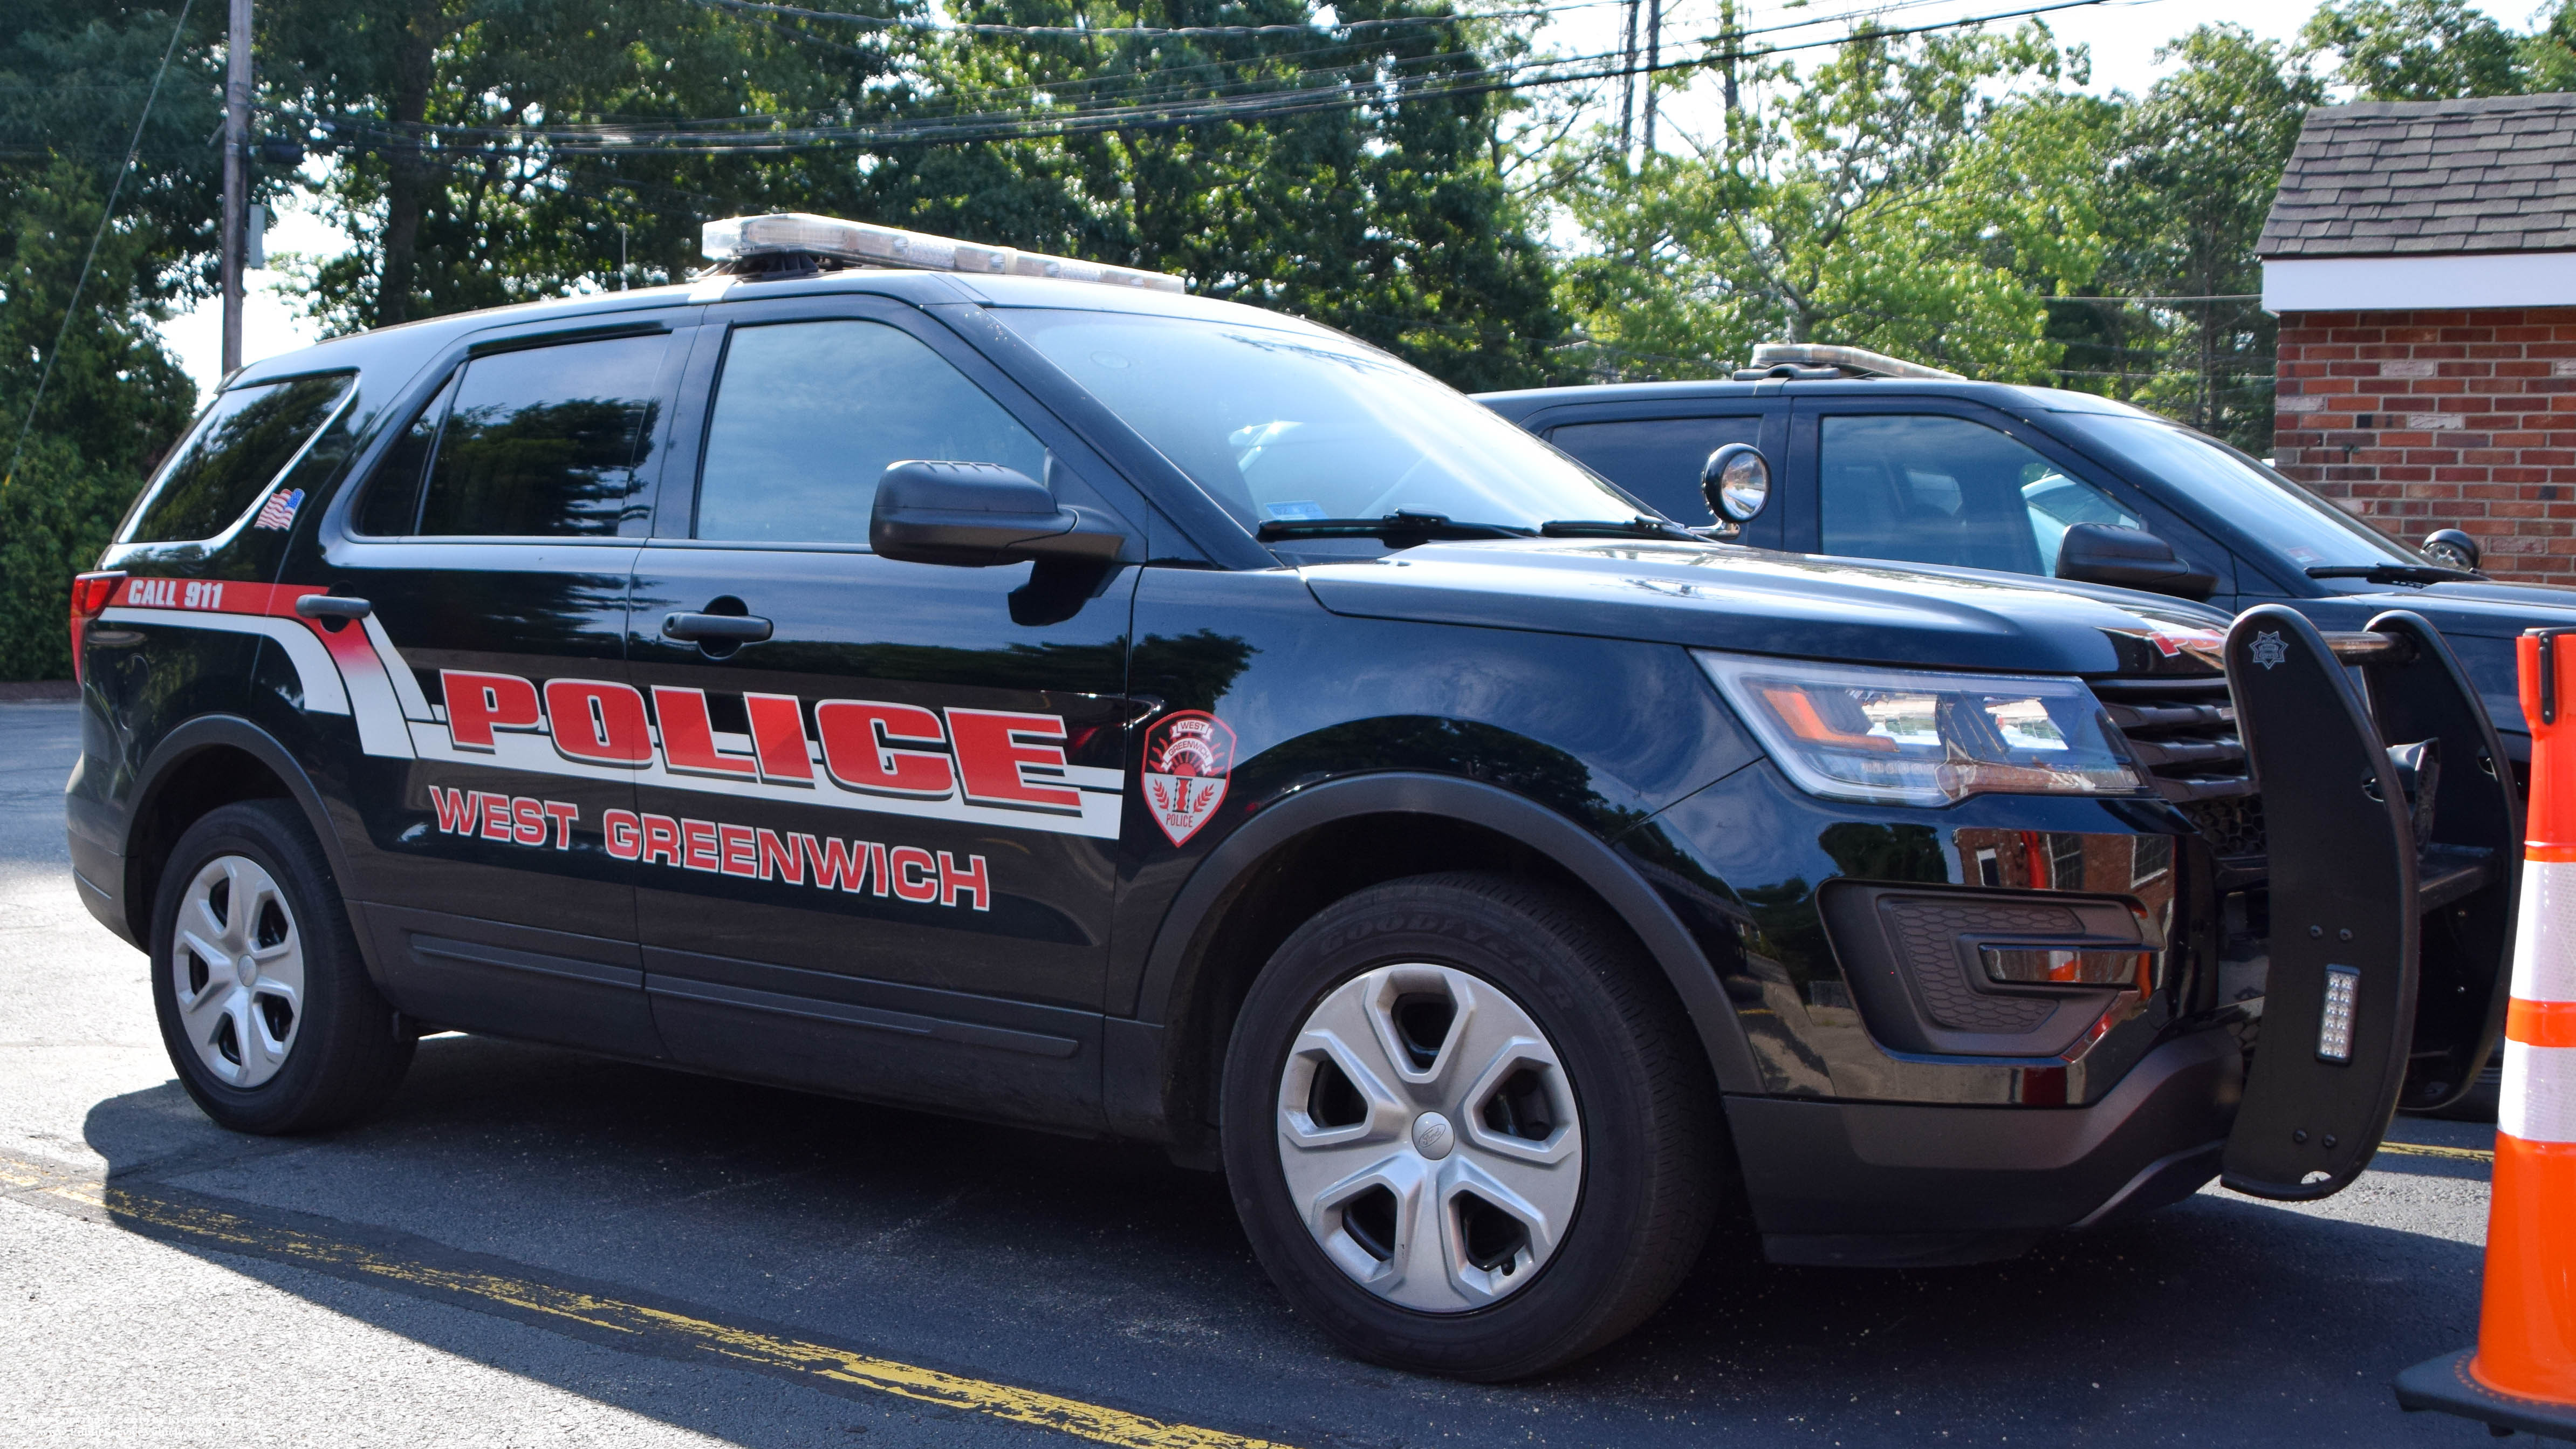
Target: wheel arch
{"x": 209, "y": 762}
{"x": 1249, "y": 893}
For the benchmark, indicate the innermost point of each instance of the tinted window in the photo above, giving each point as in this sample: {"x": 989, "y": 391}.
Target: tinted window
{"x": 391, "y": 505}
{"x": 547, "y": 442}
{"x": 1942, "y": 490}
{"x": 808, "y": 415}
{"x": 2231, "y": 487}
{"x": 236, "y": 451}
{"x": 1658, "y": 459}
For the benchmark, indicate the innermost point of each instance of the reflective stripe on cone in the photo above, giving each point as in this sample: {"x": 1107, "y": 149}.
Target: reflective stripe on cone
{"x": 2539, "y": 1101}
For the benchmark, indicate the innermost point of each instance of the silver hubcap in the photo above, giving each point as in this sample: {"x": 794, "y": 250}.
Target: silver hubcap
{"x": 239, "y": 971}
{"x": 1430, "y": 1137}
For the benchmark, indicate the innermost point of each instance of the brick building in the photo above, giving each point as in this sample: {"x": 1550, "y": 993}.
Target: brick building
{"x": 2421, "y": 257}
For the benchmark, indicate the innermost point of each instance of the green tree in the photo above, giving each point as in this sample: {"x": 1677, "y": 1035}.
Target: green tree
{"x": 2182, "y": 202}
{"x": 73, "y": 82}
{"x": 1389, "y": 220}
{"x": 2417, "y": 50}
{"x": 1920, "y": 196}
{"x": 113, "y": 405}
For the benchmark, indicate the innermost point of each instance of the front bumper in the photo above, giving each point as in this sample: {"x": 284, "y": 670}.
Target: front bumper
{"x": 1889, "y": 1184}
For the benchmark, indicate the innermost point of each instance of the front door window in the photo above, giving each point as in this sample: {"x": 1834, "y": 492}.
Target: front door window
{"x": 1930, "y": 489}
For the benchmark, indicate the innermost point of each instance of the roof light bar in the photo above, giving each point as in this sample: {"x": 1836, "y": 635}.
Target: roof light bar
{"x": 860, "y": 243}
{"x": 1853, "y": 361}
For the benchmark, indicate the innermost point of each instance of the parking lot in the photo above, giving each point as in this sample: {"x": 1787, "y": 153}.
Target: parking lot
{"x": 536, "y": 1247}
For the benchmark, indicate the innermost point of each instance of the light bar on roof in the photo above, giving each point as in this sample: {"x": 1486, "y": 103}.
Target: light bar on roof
{"x": 865, "y": 244}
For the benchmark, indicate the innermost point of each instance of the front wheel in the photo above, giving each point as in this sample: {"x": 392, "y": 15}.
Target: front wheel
{"x": 1466, "y": 1128}
{"x": 265, "y": 1006}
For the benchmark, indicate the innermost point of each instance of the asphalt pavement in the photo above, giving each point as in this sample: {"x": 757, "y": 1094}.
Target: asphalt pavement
{"x": 537, "y": 1247}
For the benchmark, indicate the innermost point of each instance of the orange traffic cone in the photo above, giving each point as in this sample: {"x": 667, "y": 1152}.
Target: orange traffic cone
{"x": 2522, "y": 1374}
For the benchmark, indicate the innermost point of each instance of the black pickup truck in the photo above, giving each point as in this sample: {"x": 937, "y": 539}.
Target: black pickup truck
{"x": 991, "y": 684}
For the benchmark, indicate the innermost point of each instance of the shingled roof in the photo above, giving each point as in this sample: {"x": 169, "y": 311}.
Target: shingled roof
{"x": 2429, "y": 178}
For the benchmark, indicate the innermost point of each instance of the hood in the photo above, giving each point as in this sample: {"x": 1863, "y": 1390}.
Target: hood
{"x": 2496, "y": 610}
{"x": 1805, "y": 606}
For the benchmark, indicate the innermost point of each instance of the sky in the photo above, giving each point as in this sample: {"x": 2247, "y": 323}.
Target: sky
{"x": 2123, "y": 35}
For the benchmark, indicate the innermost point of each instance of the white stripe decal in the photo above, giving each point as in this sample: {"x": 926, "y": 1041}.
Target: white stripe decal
{"x": 314, "y": 672}
{"x": 2544, "y": 956}
{"x": 406, "y": 685}
{"x": 372, "y": 700}
{"x": 2539, "y": 1100}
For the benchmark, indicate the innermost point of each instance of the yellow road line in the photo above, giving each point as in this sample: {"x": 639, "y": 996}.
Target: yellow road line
{"x": 222, "y": 1230}
{"x": 2427, "y": 1149}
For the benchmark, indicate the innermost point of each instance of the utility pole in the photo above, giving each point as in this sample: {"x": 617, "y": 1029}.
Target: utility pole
{"x": 1727, "y": 37}
{"x": 236, "y": 176}
{"x": 1654, "y": 55}
{"x": 1628, "y": 81}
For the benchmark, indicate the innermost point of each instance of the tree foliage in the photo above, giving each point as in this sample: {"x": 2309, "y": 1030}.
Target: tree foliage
{"x": 1388, "y": 220}
{"x": 1901, "y": 196}
{"x": 72, "y": 86}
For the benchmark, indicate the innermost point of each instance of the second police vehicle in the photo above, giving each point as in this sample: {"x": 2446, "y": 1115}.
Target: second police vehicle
{"x": 1005, "y": 686}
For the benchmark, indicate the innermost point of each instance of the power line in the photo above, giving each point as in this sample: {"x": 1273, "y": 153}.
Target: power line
{"x": 1087, "y": 32}
{"x": 1259, "y": 105}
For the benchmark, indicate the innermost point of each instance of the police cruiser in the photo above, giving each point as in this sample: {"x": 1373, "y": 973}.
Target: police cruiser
{"x": 1007, "y": 686}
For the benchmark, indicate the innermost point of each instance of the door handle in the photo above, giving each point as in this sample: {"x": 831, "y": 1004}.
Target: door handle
{"x": 333, "y": 606}
{"x": 722, "y": 628}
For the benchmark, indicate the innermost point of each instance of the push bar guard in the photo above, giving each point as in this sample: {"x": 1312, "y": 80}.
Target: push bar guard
{"x": 2393, "y": 840}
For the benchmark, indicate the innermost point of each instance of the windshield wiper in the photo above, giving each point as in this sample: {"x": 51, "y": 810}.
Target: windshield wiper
{"x": 1407, "y": 526}
{"x": 1637, "y": 527}
{"x": 2396, "y": 573}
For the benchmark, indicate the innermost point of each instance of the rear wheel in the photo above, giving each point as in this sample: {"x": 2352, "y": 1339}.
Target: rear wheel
{"x": 1465, "y": 1128}
{"x": 264, "y": 1003}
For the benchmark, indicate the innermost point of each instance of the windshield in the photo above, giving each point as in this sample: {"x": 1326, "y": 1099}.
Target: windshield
{"x": 2308, "y": 530}
{"x": 1288, "y": 427}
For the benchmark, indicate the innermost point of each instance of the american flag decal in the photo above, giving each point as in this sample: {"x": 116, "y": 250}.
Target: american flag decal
{"x": 279, "y": 511}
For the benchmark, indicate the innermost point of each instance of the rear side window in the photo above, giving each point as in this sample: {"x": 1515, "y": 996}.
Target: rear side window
{"x": 808, "y": 414}
{"x": 244, "y": 441}
{"x": 543, "y": 443}
{"x": 1658, "y": 459}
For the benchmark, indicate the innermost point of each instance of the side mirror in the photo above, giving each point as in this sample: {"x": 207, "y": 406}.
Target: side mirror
{"x": 1736, "y": 481}
{"x": 2452, "y": 549}
{"x": 2128, "y": 558}
{"x": 976, "y": 515}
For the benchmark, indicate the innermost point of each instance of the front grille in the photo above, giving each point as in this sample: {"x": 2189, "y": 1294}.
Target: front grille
{"x": 2182, "y": 732}
{"x": 2234, "y": 828}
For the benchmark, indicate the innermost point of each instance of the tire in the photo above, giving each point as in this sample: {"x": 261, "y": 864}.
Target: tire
{"x": 1564, "y": 1075}
{"x": 300, "y": 1040}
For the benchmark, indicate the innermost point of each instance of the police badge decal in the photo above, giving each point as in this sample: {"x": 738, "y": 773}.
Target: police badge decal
{"x": 1187, "y": 757}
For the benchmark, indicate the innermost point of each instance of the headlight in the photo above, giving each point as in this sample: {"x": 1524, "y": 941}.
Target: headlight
{"x": 1904, "y": 737}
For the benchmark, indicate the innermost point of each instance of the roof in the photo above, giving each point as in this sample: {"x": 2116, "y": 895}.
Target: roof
{"x": 409, "y": 344}
{"x": 2429, "y": 178}
{"x": 1657, "y": 399}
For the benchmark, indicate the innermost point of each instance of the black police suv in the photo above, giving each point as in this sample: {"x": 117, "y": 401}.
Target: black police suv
{"x": 1879, "y": 459}
{"x": 999, "y": 686}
